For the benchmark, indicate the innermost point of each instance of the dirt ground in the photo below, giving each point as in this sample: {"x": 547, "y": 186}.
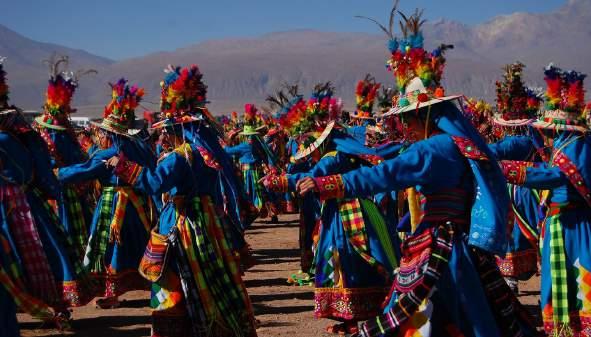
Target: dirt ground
{"x": 282, "y": 310}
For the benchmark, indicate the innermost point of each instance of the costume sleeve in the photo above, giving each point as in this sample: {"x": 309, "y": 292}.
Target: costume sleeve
{"x": 327, "y": 165}
{"x": 93, "y": 168}
{"x": 390, "y": 150}
{"x": 237, "y": 150}
{"x": 533, "y": 175}
{"x": 169, "y": 173}
{"x": 416, "y": 166}
{"x": 513, "y": 148}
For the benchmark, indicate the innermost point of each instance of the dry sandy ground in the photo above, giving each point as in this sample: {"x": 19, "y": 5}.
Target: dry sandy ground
{"x": 282, "y": 310}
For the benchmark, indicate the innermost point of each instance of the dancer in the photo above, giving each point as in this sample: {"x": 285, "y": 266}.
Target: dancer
{"x": 566, "y": 258}
{"x": 198, "y": 290}
{"x": 123, "y": 216}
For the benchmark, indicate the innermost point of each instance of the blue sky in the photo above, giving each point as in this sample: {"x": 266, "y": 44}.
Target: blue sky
{"x": 125, "y": 28}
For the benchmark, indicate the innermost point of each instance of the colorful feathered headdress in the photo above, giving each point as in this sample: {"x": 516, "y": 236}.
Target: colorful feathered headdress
{"x": 3, "y": 86}
{"x": 565, "y": 101}
{"x": 119, "y": 114}
{"x": 535, "y": 98}
{"x": 182, "y": 91}
{"x": 297, "y": 116}
{"x": 418, "y": 73}
{"x": 291, "y": 110}
{"x": 408, "y": 58}
{"x": 512, "y": 98}
{"x": 60, "y": 90}
{"x": 365, "y": 95}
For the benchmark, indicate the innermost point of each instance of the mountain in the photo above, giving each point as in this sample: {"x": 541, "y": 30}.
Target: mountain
{"x": 27, "y": 75}
{"x": 248, "y": 69}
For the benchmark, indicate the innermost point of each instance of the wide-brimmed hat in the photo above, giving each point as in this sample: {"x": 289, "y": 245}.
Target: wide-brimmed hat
{"x": 323, "y": 136}
{"x": 119, "y": 114}
{"x": 417, "y": 97}
{"x": 249, "y": 130}
{"x": 565, "y": 101}
{"x": 252, "y": 123}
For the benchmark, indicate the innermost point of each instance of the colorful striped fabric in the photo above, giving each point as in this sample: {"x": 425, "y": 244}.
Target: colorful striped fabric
{"x": 505, "y": 305}
{"x": 38, "y": 275}
{"x": 221, "y": 295}
{"x": 23, "y": 300}
{"x": 354, "y": 227}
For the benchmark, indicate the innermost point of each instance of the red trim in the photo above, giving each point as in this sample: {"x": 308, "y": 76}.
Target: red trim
{"x": 330, "y": 187}
{"x": 571, "y": 171}
{"x": 515, "y": 171}
{"x": 276, "y": 183}
{"x": 127, "y": 170}
{"x": 469, "y": 149}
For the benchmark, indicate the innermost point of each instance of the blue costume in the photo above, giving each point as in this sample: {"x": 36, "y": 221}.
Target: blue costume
{"x": 446, "y": 269}
{"x": 355, "y": 255}
{"x": 73, "y": 206}
{"x": 521, "y": 258}
{"x": 565, "y": 231}
{"x": 121, "y": 223}
{"x": 252, "y": 154}
{"x": 190, "y": 209}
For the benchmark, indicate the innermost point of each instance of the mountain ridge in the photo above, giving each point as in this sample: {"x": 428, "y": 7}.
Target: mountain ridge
{"x": 240, "y": 70}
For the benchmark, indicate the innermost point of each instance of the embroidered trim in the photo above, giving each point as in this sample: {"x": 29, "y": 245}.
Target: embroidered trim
{"x": 330, "y": 187}
{"x": 469, "y": 149}
{"x": 519, "y": 264}
{"x": 209, "y": 159}
{"x": 276, "y": 183}
{"x": 372, "y": 159}
{"x": 515, "y": 171}
{"x": 127, "y": 170}
{"x": 348, "y": 303}
{"x": 572, "y": 173}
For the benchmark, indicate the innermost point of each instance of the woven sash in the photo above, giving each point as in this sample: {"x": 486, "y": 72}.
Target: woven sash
{"x": 110, "y": 222}
{"x": 73, "y": 206}
{"x": 440, "y": 243}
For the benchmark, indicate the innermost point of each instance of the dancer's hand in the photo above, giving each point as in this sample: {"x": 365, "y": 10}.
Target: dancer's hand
{"x": 112, "y": 162}
{"x": 306, "y": 185}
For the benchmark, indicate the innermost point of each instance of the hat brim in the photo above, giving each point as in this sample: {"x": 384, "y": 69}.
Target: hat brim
{"x": 413, "y": 107}
{"x": 353, "y": 115}
{"x": 110, "y": 129}
{"x": 559, "y": 127}
{"x": 177, "y": 121}
{"x": 512, "y": 123}
{"x": 39, "y": 121}
{"x": 7, "y": 111}
{"x": 316, "y": 144}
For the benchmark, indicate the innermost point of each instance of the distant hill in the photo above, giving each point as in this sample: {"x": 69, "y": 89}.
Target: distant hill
{"x": 248, "y": 69}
